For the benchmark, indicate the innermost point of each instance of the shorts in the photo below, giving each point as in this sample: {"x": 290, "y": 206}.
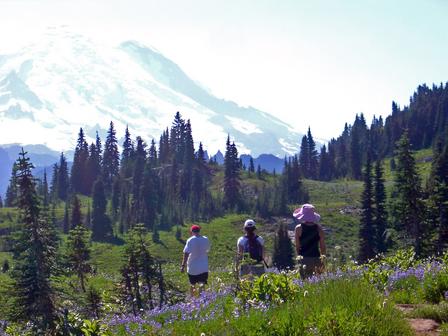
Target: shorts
{"x": 310, "y": 266}
{"x": 257, "y": 269}
{"x": 199, "y": 278}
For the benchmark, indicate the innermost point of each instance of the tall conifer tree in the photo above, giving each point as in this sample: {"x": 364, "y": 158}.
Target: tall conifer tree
{"x": 35, "y": 256}
{"x": 111, "y": 159}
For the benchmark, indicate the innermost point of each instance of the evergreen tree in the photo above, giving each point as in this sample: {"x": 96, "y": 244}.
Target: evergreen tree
{"x": 127, "y": 155}
{"x": 283, "y": 256}
{"x": 407, "y": 207}
{"x": 34, "y": 257}
{"x": 379, "y": 212}
{"x": 324, "y": 165}
{"x": 78, "y": 253}
{"x": 232, "y": 184}
{"x": 139, "y": 271}
{"x": 76, "y": 218}
{"x": 304, "y": 157}
{"x": 177, "y": 142}
{"x": 1, "y": 202}
{"x": 152, "y": 154}
{"x": 355, "y": 154}
{"x": 44, "y": 192}
{"x": 111, "y": 159}
{"x": 115, "y": 201}
{"x": 438, "y": 199}
{"x": 188, "y": 160}
{"x": 12, "y": 190}
{"x": 63, "y": 179}
{"x": 88, "y": 220}
{"x": 66, "y": 222}
{"x": 367, "y": 232}
{"x": 54, "y": 183}
{"x": 313, "y": 160}
{"x": 101, "y": 223}
{"x": 259, "y": 172}
{"x": 78, "y": 173}
{"x": 251, "y": 166}
{"x": 93, "y": 168}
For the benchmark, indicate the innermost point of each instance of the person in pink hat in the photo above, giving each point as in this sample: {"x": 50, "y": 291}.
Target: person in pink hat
{"x": 310, "y": 240}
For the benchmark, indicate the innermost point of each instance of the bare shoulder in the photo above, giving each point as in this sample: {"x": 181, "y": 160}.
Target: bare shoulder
{"x": 320, "y": 228}
{"x": 298, "y": 228}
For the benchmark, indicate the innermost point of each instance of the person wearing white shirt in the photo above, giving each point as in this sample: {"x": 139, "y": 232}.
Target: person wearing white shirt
{"x": 195, "y": 258}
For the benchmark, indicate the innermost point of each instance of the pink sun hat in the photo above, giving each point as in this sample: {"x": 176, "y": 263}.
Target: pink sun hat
{"x": 307, "y": 214}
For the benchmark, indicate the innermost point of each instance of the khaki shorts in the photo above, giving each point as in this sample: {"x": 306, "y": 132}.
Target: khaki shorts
{"x": 309, "y": 266}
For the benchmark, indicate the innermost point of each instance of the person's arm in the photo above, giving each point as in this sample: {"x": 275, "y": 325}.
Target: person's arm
{"x": 297, "y": 234}
{"x": 239, "y": 249}
{"x": 323, "y": 248}
{"x": 184, "y": 261}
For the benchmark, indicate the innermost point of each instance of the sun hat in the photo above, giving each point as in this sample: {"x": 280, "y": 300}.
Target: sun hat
{"x": 250, "y": 223}
{"x": 195, "y": 228}
{"x": 306, "y": 214}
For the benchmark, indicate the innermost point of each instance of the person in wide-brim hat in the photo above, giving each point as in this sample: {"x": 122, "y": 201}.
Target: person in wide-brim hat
{"x": 310, "y": 240}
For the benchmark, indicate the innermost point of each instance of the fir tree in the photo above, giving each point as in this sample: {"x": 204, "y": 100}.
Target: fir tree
{"x": 324, "y": 165}
{"x": 88, "y": 219}
{"x": 12, "y": 190}
{"x": 35, "y": 255}
{"x": 54, "y": 183}
{"x": 152, "y": 154}
{"x": 283, "y": 256}
{"x": 44, "y": 192}
{"x": 66, "y": 222}
{"x": 379, "y": 212}
{"x": 407, "y": 207}
{"x": 232, "y": 185}
{"x": 366, "y": 232}
{"x": 93, "y": 168}
{"x": 1, "y": 202}
{"x": 127, "y": 155}
{"x": 115, "y": 201}
{"x": 78, "y": 173}
{"x": 76, "y": 218}
{"x": 101, "y": 223}
{"x": 78, "y": 253}
{"x": 438, "y": 199}
{"x": 304, "y": 157}
{"x": 63, "y": 179}
{"x": 251, "y": 166}
{"x": 111, "y": 159}
{"x": 313, "y": 161}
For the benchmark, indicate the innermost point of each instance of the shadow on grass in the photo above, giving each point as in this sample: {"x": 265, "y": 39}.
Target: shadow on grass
{"x": 116, "y": 241}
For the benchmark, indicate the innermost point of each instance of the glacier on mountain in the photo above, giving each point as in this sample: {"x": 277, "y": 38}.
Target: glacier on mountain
{"x": 64, "y": 81}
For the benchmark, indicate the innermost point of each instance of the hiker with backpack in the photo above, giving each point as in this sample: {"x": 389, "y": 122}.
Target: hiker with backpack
{"x": 252, "y": 245}
{"x": 196, "y": 258}
{"x": 310, "y": 241}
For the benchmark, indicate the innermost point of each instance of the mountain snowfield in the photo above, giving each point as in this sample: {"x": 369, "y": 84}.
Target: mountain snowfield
{"x": 64, "y": 81}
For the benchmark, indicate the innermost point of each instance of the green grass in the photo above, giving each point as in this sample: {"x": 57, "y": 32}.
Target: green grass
{"x": 438, "y": 313}
{"x": 342, "y": 307}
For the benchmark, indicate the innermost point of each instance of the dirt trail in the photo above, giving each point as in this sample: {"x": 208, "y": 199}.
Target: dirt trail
{"x": 421, "y": 327}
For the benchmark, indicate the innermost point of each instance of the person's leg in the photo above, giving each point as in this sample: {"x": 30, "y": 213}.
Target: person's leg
{"x": 193, "y": 281}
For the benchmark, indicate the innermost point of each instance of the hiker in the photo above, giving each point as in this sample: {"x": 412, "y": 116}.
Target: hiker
{"x": 253, "y": 245}
{"x": 196, "y": 258}
{"x": 310, "y": 241}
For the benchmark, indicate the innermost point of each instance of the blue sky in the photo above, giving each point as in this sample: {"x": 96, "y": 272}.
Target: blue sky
{"x": 310, "y": 63}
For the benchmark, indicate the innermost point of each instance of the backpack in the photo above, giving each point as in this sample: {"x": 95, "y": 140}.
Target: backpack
{"x": 254, "y": 248}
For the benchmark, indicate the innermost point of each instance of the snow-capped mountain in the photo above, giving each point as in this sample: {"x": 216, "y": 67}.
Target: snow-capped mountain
{"x": 64, "y": 81}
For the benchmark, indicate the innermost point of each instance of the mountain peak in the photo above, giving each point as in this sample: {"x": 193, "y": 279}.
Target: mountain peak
{"x": 65, "y": 81}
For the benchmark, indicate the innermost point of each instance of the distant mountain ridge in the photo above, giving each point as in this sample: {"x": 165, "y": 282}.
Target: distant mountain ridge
{"x": 66, "y": 81}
